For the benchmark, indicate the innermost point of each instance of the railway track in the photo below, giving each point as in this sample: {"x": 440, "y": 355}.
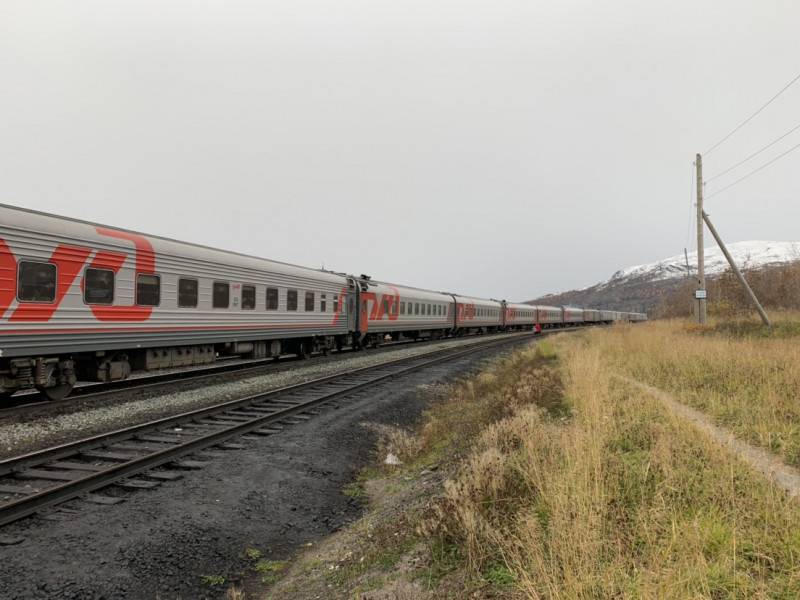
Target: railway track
{"x": 145, "y": 455}
{"x": 25, "y": 402}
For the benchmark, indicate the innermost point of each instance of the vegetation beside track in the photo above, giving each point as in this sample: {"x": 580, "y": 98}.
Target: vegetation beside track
{"x": 545, "y": 477}
{"x": 745, "y": 378}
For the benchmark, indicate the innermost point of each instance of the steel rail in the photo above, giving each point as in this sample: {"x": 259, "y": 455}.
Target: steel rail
{"x": 32, "y": 400}
{"x": 94, "y": 480}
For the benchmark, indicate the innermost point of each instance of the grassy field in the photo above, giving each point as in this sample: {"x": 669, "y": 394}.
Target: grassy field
{"x": 747, "y": 381}
{"x": 555, "y": 479}
{"x": 610, "y": 495}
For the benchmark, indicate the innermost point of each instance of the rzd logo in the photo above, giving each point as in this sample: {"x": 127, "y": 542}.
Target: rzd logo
{"x": 69, "y": 260}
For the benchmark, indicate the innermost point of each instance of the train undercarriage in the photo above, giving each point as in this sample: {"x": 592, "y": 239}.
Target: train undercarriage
{"x": 55, "y": 377}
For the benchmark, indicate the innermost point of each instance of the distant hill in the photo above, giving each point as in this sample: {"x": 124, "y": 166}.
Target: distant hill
{"x": 642, "y": 287}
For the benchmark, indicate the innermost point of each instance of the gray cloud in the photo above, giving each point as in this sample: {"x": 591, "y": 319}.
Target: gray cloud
{"x": 493, "y": 148}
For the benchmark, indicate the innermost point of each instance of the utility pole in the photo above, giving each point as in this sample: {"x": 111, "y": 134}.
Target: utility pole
{"x": 700, "y": 293}
{"x": 737, "y": 272}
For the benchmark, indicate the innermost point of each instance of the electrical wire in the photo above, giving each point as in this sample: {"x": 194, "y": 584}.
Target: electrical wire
{"x": 754, "y": 171}
{"x": 753, "y": 155}
{"x": 753, "y": 116}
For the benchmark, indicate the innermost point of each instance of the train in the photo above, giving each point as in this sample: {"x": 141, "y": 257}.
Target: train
{"x": 89, "y": 302}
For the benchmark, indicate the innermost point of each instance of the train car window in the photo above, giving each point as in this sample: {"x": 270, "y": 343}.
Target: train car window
{"x": 148, "y": 289}
{"x": 309, "y": 301}
{"x": 36, "y": 282}
{"x": 98, "y": 286}
{"x": 323, "y": 303}
{"x": 402, "y": 308}
{"x": 187, "y": 293}
{"x": 429, "y": 310}
{"x": 272, "y": 298}
{"x": 291, "y": 299}
{"x": 386, "y": 306}
{"x": 416, "y": 308}
{"x": 336, "y": 303}
{"x": 221, "y": 296}
{"x": 248, "y": 297}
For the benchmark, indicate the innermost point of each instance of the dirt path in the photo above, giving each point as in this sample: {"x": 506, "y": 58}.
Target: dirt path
{"x": 783, "y": 475}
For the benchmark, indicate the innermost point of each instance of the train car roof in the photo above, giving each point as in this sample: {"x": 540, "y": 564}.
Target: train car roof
{"x": 520, "y": 305}
{"x": 460, "y": 298}
{"x": 54, "y": 225}
{"x": 417, "y": 293}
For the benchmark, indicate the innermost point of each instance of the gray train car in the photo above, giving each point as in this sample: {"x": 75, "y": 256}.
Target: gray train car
{"x": 591, "y": 315}
{"x": 549, "y": 317}
{"x": 76, "y": 297}
{"x": 572, "y": 316}
{"x": 519, "y": 316}
{"x": 477, "y": 315}
{"x": 607, "y": 316}
{"x": 393, "y": 312}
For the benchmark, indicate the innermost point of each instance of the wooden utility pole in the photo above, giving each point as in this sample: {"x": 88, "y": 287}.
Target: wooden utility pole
{"x": 737, "y": 272}
{"x": 700, "y": 293}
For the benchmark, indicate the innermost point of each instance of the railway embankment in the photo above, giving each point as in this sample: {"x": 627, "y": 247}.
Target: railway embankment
{"x": 72, "y": 419}
{"x": 550, "y": 475}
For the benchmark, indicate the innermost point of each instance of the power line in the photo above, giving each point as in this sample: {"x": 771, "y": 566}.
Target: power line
{"x": 753, "y": 155}
{"x": 754, "y": 171}
{"x": 753, "y": 116}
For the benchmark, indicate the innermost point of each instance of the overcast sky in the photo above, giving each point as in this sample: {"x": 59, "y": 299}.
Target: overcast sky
{"x": 504, "y": 149}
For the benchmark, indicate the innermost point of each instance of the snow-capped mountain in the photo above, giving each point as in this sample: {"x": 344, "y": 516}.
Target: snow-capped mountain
{"x": 643, "y": 287}
{"x": 747, "y": 255}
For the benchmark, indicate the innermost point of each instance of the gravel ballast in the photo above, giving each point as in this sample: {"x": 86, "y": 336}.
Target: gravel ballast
{"x": 274, "y": 495}
{"x": 74, "y": 420}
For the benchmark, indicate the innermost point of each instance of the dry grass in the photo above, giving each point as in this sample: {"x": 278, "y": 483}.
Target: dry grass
{"x": 234, "y": 593}
{"x": 608, "y": 494}
{"x": 746, "y": 382}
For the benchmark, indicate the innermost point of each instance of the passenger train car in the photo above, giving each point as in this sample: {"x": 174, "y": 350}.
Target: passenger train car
{"x": 91, "y": 302}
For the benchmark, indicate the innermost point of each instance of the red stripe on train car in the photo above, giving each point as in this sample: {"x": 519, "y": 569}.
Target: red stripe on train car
{"x": 8, "y": 277}
{"x": 145, "y": 260}
{"x": 68, "y": 261}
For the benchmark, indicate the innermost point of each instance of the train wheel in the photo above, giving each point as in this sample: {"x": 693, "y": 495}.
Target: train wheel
{"x": 56, "y": 392}
{"x": 304, "y": 351}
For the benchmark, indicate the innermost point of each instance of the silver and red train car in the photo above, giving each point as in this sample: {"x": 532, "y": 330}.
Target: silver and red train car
{"x": 85, "y": 301}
